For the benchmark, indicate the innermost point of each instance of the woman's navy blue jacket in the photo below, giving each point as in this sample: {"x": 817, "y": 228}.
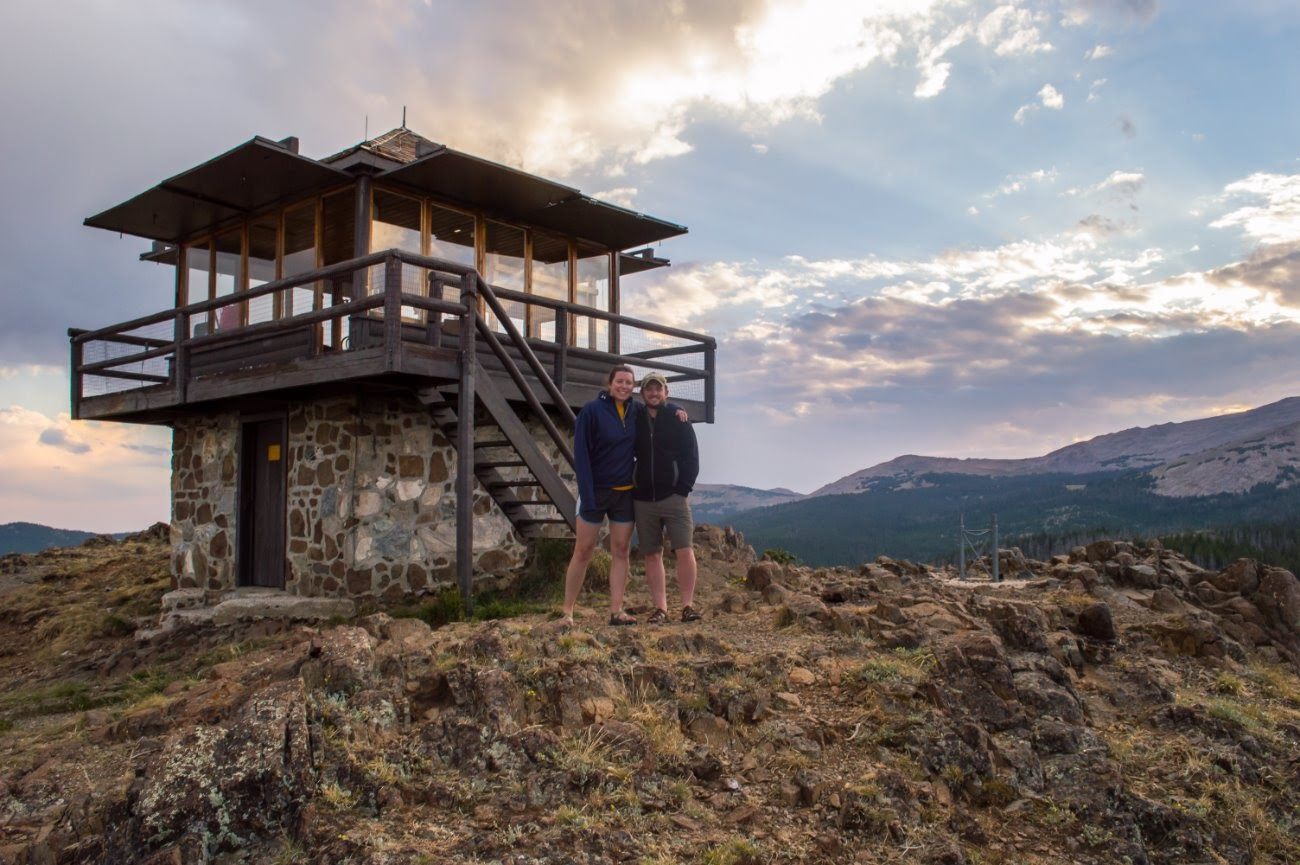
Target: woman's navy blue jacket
{"x": 604, "y": 446}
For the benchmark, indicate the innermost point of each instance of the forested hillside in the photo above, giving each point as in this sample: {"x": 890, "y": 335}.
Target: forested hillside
{"x": 1046, "y": 513}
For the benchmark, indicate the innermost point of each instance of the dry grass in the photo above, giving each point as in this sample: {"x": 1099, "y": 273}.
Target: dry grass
{"x": 902, "y": 665}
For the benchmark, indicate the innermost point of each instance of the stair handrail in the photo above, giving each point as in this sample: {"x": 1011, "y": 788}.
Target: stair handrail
{"x": 485, "y": 291}
{"x": 561, "y": 441}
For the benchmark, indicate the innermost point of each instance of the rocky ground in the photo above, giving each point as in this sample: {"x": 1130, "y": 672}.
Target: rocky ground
{"x": 1117, "y": 705}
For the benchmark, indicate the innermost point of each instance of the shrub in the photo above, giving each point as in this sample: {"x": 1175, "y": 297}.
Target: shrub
{"x": 780, "y": 556}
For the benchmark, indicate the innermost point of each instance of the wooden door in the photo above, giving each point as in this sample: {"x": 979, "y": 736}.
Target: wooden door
{"x": 262, "y": 504}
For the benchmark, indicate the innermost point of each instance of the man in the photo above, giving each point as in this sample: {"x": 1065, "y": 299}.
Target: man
{"x": 604, "y": 450}
{"x": 667, "y": 463}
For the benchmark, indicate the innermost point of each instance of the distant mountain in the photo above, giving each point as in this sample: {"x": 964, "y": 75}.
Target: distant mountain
{"x": 1237, "y": 467}
{"x": 711, "y": 503}
{"x": 32, "y": 538}
{"x": 1139, "y": 447}
{"x": 1228, "y": 474}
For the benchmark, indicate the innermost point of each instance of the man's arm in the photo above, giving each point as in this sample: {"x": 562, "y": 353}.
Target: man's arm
{"x": 688, "y": 460}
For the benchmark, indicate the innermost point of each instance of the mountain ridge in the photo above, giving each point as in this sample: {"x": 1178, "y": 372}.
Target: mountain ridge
{"x": 1134, "y": 448}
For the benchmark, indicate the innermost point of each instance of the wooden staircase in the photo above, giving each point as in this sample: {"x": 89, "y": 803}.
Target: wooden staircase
{"x": 507, "y": 461}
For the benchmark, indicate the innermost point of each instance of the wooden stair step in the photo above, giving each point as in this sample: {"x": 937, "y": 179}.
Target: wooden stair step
{"x": 499, "y": 464}
{"x": 502, "y": 485}
{"x": 495, "y": 443}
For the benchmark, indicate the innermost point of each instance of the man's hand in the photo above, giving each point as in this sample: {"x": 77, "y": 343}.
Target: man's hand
{"x": 683, "y": 416}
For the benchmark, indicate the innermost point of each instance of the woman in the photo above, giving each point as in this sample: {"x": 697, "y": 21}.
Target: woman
{"x": 604, "y": 454}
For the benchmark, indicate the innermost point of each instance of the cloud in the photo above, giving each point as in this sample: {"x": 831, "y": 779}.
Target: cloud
{"x": 55, "y": 437}
{"x": 1133, "y": 11}
{"x": 1099, "y": 226}
{"x": 1122, "y": 184}
{"x": 934, "y": 73}
{"x": 1275, "y": 269}
{"x": 98, "y": 477}
{"x": 1094, "y": 89}
{"x": 1276, "y": 219}
{"x": 1016, "y": 183}
{"x": 1011, "y": 31}
{"x": 1098, "y": 51}
{"x": 1048, "y": 97}
{"x": 625, "y": 196}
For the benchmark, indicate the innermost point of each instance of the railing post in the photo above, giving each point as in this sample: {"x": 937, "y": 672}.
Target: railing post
{"x": 710, "y": 379}
{"x": 180, "y": 355}
{"x": 433, "y": 318}
{"x": 562, "y": 347}
{"x": 465, "y": 444}
{"x": 392, "y": 313}
{"x": 78, "y": 352}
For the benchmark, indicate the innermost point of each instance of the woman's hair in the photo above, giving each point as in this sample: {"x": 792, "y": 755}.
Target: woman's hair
{"x": 616, "y": 370}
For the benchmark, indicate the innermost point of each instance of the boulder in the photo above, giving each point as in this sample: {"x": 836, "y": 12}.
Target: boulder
{"x": 1278, "y": 600}
{"x": 1095, "y": 621}
{"x": 230, "y": 783}
{"x": 761, "y": 575}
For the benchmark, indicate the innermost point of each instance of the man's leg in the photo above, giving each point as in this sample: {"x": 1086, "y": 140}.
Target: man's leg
{"x": 620, "y": 542}
{"x": 687, "y": 572}
{"x": 583, "y": 548}
{"x": 650, "y": 533}
{"x": 656, "y": 580}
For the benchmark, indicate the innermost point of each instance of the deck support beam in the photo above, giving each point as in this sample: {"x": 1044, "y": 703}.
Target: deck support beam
{"x": 465, "y": 444}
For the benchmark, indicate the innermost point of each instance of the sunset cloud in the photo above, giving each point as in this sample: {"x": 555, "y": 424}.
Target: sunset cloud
{"x": 90, "y": 476}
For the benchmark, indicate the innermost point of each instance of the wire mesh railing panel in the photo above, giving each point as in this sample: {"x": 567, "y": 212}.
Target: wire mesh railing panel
{"x": 118, "y": 359}
{"x": 680, "y": 359}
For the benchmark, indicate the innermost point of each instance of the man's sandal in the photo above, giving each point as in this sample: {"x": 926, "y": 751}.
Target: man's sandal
{"x": 620, "y": 619}
{"x": 658, "y": 617}
{"x": 689, "y": 614}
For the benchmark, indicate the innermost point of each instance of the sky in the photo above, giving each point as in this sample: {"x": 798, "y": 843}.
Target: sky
{"x": 916, "y": 226}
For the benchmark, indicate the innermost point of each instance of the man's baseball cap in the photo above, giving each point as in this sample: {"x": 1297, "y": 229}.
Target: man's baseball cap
{"x": 654, "y": 378}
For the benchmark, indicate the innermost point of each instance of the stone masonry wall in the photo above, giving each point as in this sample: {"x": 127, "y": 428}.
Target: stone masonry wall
{"x": 371, "y": 504}
{"x": 205, "y": 471}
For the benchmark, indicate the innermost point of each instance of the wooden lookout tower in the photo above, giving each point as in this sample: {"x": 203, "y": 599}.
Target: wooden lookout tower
{"x": 373, "y": 361}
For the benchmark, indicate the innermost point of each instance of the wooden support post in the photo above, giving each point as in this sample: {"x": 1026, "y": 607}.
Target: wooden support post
{"x": 433, "y": 317}
{"x": 180, "y": 358}
{"x": 710, "y": 380}
{"x": 562, "y": 348}
{"x": 78, "y": 352}
{"x": 392, "y": 313}
{"x": 465, "y": 444}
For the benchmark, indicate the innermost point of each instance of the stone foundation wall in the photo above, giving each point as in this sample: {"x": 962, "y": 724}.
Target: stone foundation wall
{"x": 371, "y": 507}
{"x": 205, "y": 474}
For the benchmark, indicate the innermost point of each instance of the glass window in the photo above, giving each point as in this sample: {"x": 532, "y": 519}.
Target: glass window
{"x": 550, "y": 279}
{"x": 451, "y": 237}
{"x": 503, "y": 267}
{"x": 299, "y": 256}
{"x": 592, "y": 289}
{"x": 395, "y": 224}
{"x": 338, "y": 242}
{"x": 227, "y": 276}
{"x": 198, "y": 267}
{"x": 263, "y": 244}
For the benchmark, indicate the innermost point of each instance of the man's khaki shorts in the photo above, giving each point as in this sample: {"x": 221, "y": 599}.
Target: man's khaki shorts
{"x": 651, "y": 518}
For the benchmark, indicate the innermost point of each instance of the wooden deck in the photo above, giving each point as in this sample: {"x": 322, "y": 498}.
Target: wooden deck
{"x": 131, "y": 372}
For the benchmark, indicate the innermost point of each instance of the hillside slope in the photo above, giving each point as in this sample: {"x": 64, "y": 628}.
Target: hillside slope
{"x": 1136, "y": 448}
{"x": 32, "y": 538}
{"x": 1121, "y": 706}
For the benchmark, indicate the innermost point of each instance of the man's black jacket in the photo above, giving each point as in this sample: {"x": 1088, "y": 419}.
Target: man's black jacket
{"x": 667, "y": 457}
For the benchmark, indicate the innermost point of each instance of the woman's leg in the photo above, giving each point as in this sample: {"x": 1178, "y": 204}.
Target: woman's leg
{"x": 583, "y": 548}
{"x": 620, "y": 543}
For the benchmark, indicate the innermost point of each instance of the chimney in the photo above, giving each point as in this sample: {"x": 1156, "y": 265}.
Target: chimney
{"x": 290, "y": 144}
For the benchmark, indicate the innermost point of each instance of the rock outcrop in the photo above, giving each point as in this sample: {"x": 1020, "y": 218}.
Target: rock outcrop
{"x": 1118, "y": 704}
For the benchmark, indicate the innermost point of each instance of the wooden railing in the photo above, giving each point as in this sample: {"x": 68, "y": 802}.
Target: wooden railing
{"x": 165, "y": 350}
